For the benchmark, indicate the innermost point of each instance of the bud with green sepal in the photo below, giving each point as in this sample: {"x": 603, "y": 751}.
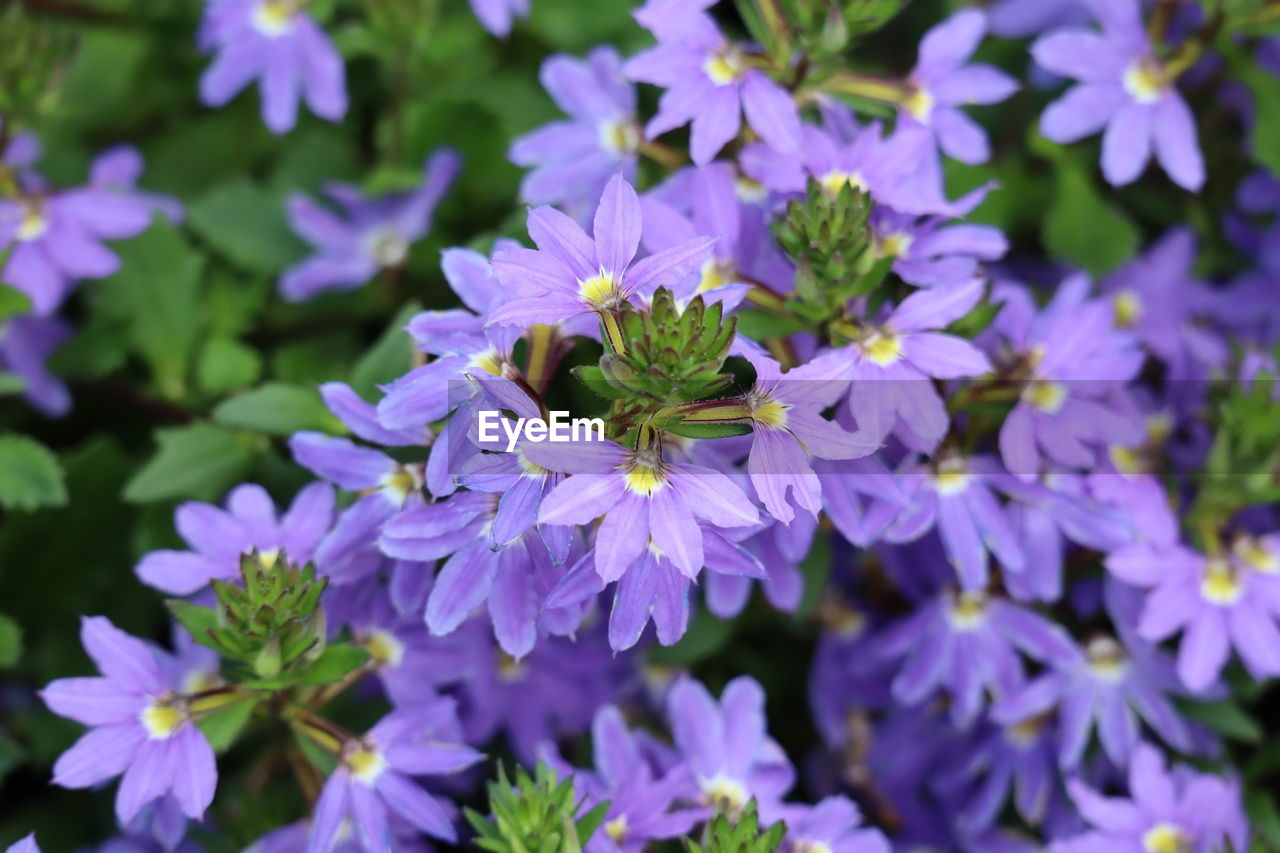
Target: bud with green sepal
{"x": 726, "y": 835}
{"x": 665, "y": 355}
{"x": 538, "y": 814}
{"x": 272, "y": 622}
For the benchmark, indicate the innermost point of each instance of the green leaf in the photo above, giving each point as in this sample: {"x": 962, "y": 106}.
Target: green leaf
{"x": 10, "y": 641}
{"x": 198, "y": 461}
{"x": 222, "y": 726}
{"x": 226, "y": 364}
{"x": 277, "y": 409}
{"x": 1265, "y": 137}
{"x": 336, "y": 661}
{"x": 1265, "y": 818}
{"x": 760, "y": 325}
{"x": 12, "y": 300}
{"x": 30, "y": 476}
{"x": 156, "y": 294}
{"x": 11, "y": 383}
{"x": 248, "y": 225}
{"x": 707, "y": 635}
{"x": 198, "y": 621}
{"x": 390, "y": 358}
{"x": 1082, "y": 229}
{"x": 1226, "y": 718}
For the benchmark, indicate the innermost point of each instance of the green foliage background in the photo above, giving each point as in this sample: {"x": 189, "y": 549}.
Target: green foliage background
{"x": 188, "y": 372}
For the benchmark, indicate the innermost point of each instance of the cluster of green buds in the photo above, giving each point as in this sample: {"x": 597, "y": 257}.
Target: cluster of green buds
{"x": 743, "y": 835}
{"x": 829, "y": 237}
{"x": 535, "y": 815}
{"x": 818, "y": 29}
{"x": 32, "y": 54}
{"x": 272, "y": 621}
{"x": 659, "y": 358}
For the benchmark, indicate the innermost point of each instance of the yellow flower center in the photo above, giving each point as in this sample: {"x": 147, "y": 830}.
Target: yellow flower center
{"x": 1126, "y": 307}
{"x": 1046, "y": 396}
{"x": 770, "y": 413}
{"x": 161, "y": 719}
{"x": 619, "y": 137}
{"x": 969, "y": 610}
{"x": 617, "y": 828}
{"x": 1144, "y": 81}
{"x": 716, "y": 274}
{"x": 387, "y": 246}
{"x": 807, "y": 845}
{"x": 384, "y": 647}
{"x": 527, "y": 468}
{"x": 882, "y": 348}
{"x": 267, "y": 559}
{"x": 489, "y": 361}
{"x": 836, "y": 180}
{"x": 645, "y": 477}
{"x": 1107, "y": 659}
{"x": 274, "y": 17}
{"x": 509, "y": 669}
{"x": 1026, "y": 732}
{"x": 33, "y": 225}
{"x": 1221, "y": 584}
{"x": 401, "y": 483}
{"x": 366, "y": 764}
{"x": 1128, "y": 460}
{"x": 749, "y": 190}
{"x": 725, "y": 67}
{"x": 920, "y": 104}
{"x": 1166, "y": 838}
{"x": 724, "y": 792}
{"x": 895, "y": 245}
{"x": 1250, "y": 552}
{"x": 952, "y": 477}
{"x": 600, "y": 291}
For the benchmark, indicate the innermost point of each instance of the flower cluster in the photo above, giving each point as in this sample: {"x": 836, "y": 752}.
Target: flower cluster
{"x": 1040, "y": 503}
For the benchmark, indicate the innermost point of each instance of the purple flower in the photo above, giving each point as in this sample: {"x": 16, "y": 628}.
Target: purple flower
{"x": 1217, "y": 602}
{"x": 572, "y": 274}
{"x": 929, "y": 252}
{"x": 386, "y": 486}
{"x": 956, "y": 497}
{"x": 706, "y": 202}
{"x": 1109, "y": 685}
{"x": 573, "y": 159}
{"x": 1020, "y": 18}
{"x": 373, "y": 234}
{"x": 218, "y": 538}
{"x": 648, "y": 503}
{"x": 1001, "y": 760}
{"x": 24, "y": 845}
{"x": 789, "y": 430}
{"x": 496, "y": 15}
{"x": 139, "y": 727}
{"x": 968, "y": 643}
{"x": 513, "y": 578}
{"x": 1156, "y": 299}
{"x": 710, "y": 82}
{"x": 372, "y": 780}
{"x": 26, "y": 342}
{"x": 834, "y": 824}
{"x": 1075, "y": 366}
{"x": 941, "y": 82}
{"x": 731, "y": 757}
{"x": 1125, "y": 88}
{"x": 56, "y": 239}
{"x": 654, "y": 587}
{"x": 118, "y": 169}
{"x": 1167, "y": 811}
{"x": 895, "y": 360}
{"x": 280, "y": 45}
{"x": 550, "y": 694}
{"x": 640, "y": 799}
